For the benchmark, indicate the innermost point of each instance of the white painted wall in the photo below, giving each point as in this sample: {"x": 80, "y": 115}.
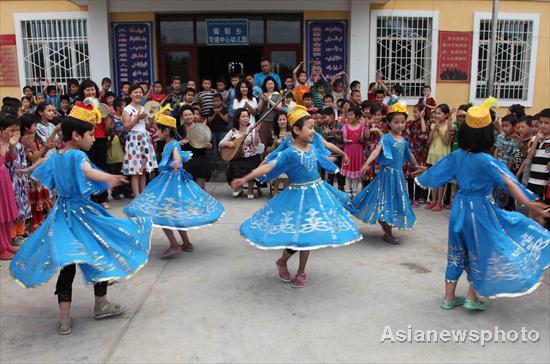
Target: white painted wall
{"x": 359, "y": 43}
{"x": 99, "y": 40}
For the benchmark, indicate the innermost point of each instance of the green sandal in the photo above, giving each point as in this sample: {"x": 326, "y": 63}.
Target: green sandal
{"x": 474, "y": 305}
{"x": 447, "y": 305}
{"x": 109, "y": 310}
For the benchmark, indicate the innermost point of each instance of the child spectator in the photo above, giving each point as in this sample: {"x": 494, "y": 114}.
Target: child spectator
{"x": 29, "y": 93}
{"x": 339, "y": 86}
{"x": 73, "y": 90}
{"x": 517, "y": 110}
{"x": 307, "y": 101}
{"x": 371, "y": 95}
{"x": 377, "y": 129}
{"x": 300, "y": 84}
{"x": 218, "y": 122}
{"x": 52, "y": 95}
{"x": 157, "y": 93}
{"x": 328, "y": 102}
{"x": 379, "y": 99}
{"x": 125, "y": 92}
{"x": 65, "y": 106}
{"x": 416, "y": 133}
{"x": 176, "y": 95}
{"x": 428, "y": 102}
{"x": 355, "y": 86}
{"x": 289, "y": 84}
{"x": 206, "y": 97}
{"x": 221, "y": 89}
{"x": 355, "y": 134}
{"x": 115, "y": 149}
{"x": 318, "y": 91}
{"x": 395, "y": 94}
{"x": 332, "y": 132}
{"x": 355, "y": 98}
{"x": 104, "y": 88}
{"x": 506, "y": 143}
{"x": 343, "y": 110}
{"x": 539, "y": 154}
{"x": 26, "y": 104}
{"x": 524, "y": 130}
{"x": 440, "y": 146}
{"x": 110, "y": 99}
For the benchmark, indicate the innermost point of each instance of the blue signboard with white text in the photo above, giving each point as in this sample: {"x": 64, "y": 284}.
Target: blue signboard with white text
{"x": 327, "y": 45}
{"x": 226, "y": 32}
{"x": 133, "y": 44}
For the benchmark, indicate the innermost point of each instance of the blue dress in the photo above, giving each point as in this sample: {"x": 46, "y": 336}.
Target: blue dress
{"x": 173, "y": 199}
{"x": 321, "y": 150}
{"x": 80, "y": 231}
{"x": 386, "y": 198}
{"x": 304, "y": 216}
{"x": 504, "y": 253}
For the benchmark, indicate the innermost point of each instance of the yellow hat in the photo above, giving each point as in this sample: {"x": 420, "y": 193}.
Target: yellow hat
{"x": 163, "y": 119}
{"x": 478, "y": 117}
{"x": 296, "y": 113}
{"x": 87, "y": 113}
{"x": 398, "y": 107}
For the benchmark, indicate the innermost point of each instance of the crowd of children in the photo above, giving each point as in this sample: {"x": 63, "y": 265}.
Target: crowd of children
{"x": 313, "y": 134}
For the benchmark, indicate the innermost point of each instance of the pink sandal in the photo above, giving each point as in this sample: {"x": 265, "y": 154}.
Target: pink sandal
{"x": 300, "y": 280}
{"x": 283, "y": 272}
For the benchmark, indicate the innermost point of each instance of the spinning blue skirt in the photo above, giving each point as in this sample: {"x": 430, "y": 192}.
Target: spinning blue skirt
{"x": 79, "y": 231}
{"x": 503, "y": 253}
{"x": 304, "y": 216}
{"x": 173, "y": 200}
{"x": 386, "y": 198}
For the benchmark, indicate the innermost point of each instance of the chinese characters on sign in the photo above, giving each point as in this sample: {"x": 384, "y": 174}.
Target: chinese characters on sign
{"x": 8, "y": 61}
{"x": 327, "y": 45}
{"x": 227, "y": 32}
{"x": 455, "y": 55}
{"x": 133, "y": 53}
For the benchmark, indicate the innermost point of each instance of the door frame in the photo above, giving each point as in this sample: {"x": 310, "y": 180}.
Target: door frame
{"x": 192, "y": 48}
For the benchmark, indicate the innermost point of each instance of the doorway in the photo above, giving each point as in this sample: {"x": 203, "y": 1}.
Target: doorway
{"x": 216, "y": 62}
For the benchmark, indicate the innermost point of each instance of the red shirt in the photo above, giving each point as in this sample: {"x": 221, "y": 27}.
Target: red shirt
{"x": 429, "y": 101}
{"x": 100, "y": 130}
{"x": 156, "y": 97}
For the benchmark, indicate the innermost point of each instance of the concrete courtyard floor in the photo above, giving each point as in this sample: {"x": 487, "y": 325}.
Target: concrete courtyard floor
{"x": 224, "y": 303}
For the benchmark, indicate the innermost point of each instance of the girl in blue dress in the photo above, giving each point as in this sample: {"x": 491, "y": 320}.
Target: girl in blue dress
{"x": 173, "y": 199}
{"x": 79, "y": 231}
{"x": 304, "y": 216}
{"x": 504, "y": 253}
{"x": 323, "y": 148}
{"x": 386, "y": 200}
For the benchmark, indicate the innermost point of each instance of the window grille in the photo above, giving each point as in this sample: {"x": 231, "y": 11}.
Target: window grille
{"x": 55, "y": 50}
{"x": 404, "y": 51}
{"x": 512, "y": 59}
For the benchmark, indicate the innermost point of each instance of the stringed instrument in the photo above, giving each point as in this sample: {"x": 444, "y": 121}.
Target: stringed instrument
{"x": 231, "y": 153}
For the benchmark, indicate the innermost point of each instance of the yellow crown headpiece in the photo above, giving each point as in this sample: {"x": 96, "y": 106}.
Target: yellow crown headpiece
{"x": 86, "y": 111}
{"x": 398, "y": 107}
{"x": 479, "y": 116}
{"x": 163, "y": 119}
{"x": 296, "y": 113}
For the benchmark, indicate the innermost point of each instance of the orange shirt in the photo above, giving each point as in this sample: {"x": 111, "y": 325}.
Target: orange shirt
{"x": 299, "y": 92}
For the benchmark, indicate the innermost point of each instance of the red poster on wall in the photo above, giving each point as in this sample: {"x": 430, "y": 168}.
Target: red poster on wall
{"x": 455, "y": 56}
{"x": 8, "y": 61}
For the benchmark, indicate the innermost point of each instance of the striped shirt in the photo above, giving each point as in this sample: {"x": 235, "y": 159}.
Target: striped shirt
{"x": 206, "y": 99}
{"x": 539, "y": 171}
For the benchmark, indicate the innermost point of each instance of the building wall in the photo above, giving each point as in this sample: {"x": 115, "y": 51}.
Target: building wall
{"x": 458, "y": 15}
{"x": 7, "y": 25}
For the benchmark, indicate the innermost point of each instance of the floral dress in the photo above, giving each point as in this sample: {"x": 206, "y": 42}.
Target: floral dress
{"x": 20, "y": 183}
{"x": 39, "y": 196}
{"x": 418, "y": 143}
{"x": 372, "y": 142}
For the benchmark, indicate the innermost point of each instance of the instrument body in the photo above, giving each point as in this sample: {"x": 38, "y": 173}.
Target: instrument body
{"x": 199, "y": 135}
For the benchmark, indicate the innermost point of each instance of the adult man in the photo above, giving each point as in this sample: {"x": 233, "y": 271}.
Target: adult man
{"x": 259, "y": 77}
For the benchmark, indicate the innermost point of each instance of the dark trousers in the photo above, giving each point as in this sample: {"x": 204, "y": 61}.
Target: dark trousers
{"x": 124, "y": 189}
{"x": 64, "y": 285}
{"x": 98, "y": 156}
{"x": 416, "y": 192}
